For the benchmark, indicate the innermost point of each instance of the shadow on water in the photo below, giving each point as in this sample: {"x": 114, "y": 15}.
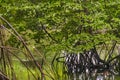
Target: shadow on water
{"x": 89, "y": 66}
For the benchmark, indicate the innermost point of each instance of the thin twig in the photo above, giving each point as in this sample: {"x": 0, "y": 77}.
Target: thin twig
{"x": 22, "y": 63}
{"x": 111, "y": 51}
{"x": 23, "y": 42}
{"x": 48, "y": 33}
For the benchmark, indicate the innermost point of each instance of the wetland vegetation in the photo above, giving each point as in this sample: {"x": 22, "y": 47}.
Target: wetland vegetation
{"x": 59, "y": 39}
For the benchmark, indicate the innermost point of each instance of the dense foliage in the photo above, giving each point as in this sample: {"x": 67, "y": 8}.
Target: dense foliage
{"x": 55, "y": 25}
{"x": 70, "y": 25}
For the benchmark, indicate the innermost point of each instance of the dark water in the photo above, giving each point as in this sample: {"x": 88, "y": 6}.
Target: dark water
{"x": 98, "y": 77}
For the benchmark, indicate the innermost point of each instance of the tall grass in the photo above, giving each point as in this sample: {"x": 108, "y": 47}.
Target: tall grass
{"x": 19, "y": 70}
{"x": 21, "y": 64}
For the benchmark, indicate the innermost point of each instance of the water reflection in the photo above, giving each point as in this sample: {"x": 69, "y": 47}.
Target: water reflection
{"x": 99, "y": 77}
{"x": 89, "y": 65}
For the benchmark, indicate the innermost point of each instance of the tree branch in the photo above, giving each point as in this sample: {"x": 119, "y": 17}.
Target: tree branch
{"x": 43, "y": 27}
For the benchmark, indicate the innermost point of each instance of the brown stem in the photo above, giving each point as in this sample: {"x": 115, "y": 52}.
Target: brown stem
{"x": 48, "y": 33}
{"x": 23, "y": 42}
{"x": 2, "y": 50}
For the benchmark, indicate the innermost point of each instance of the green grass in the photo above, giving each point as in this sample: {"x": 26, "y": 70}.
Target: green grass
{"x": 22, "y": 73}
{"x": 57, "y": 73}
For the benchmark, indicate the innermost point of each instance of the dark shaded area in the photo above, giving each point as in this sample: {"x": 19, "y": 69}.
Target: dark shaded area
{"x": 89, "y": 65}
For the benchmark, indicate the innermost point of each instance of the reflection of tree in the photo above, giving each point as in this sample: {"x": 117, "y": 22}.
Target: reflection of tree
{"x": 89, "y": 64}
